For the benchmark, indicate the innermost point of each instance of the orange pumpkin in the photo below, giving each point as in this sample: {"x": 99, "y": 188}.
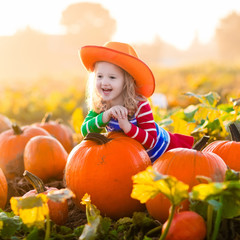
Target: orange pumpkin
{"x": 61, "y": 132}
{"x": 103, "y": 167}
{"x": 184, "y": 164}
{"x": 12, "y": 144}
{"x": 3, "y": 189}
{"x": 5, "y": 123}
{"x": 58, "y": 211}
{"x": 228, "y": 150}
{"x": 186, "y": 225}
{"x": 45, "y": 157}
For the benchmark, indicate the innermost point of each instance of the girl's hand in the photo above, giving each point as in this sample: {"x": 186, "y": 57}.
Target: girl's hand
{"x": 119, "y": 112}
{"x": 124, "y": 124}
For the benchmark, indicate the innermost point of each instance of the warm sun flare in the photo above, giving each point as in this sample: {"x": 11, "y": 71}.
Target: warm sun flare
{"x": 175, "y": 22}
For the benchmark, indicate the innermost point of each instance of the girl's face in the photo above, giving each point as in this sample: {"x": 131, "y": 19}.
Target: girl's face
{"x": 109, "y": 82}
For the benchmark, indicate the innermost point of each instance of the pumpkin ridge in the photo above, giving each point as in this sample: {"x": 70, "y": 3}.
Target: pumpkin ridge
{"x": 196, "y": 153}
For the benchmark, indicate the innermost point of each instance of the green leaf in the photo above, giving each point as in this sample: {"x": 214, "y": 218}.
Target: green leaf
{"x": 231, "y": 207}
{"x": 78, "y": 230}
{"x": 190, "y": 94}
{"x": 64, "y": 230}
{"x": 11, "y": 224}
{"x": 210, "y": 99}
{"x": 165, "y": 122}
{"x": 104, "y": 226}
{"x": 232, "y": 175}
{"x": 124, "y": 220}
{"x": 225, "y": 107}
{"x": 34, "y": 234}
{"x": 142, "y": 220}
{"x": 190, "y": 112}
{"x": 228, "y": 191}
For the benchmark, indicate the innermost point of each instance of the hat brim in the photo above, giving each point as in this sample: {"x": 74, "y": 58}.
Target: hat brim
{"x": 141, "y": 73}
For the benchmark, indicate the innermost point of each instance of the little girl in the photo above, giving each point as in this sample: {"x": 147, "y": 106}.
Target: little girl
{"x": 118, "y": 101}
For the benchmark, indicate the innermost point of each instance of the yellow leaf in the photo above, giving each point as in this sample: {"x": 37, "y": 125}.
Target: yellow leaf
{"x": 213, "y": 114}
{"x": 86, "y": 199}
{"x": 1, "y": 225}
{"x": 181, "y": 126}
{"x": 144, "y": 186}
{"x": 201, "y": 113}
{"x": 148, "y": 183}
{"x": 173, "y": 189}
{"x": 77, "y": 119}
{"x": 32, "y": 210}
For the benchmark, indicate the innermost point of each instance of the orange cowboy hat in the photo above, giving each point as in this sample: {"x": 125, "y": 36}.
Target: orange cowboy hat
{"x": 124, "y": 56}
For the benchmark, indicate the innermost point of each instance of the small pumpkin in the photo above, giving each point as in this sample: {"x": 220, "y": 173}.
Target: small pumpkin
{"x": 186, "y": 225}
{"x": 185, "y": 164}
{"x": 103, "y": 167}
{"x": 57, "y": 129}
{"x": 5, "y": 123}
{"x": 45, "y": 157}
{"x": 3, "y": 189}
{"x": 12, "y": 144}
{"x": 228, "y": 150}
{"x": 58, "y": 211}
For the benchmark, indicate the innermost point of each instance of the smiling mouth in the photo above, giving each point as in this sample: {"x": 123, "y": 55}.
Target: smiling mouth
{"x": 106, "y": 90}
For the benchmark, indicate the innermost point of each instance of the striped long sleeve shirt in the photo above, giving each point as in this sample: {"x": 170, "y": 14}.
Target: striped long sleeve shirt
{"x": 144, "y": 132}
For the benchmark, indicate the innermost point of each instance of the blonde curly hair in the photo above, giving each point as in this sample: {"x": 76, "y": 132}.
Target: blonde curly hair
{"x": 131, "y": 99}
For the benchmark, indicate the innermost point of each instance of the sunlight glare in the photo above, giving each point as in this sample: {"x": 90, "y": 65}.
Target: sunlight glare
{"x": 175, "y": 22}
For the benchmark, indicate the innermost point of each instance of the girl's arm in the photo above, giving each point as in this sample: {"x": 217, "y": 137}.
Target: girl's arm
{"x": 145, "y": 132}
{"x": 93, "y": 123}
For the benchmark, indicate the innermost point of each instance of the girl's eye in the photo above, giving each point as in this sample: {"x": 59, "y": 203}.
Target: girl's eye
{"x": 112, "y": 77}
{"x": 99, "y": 76}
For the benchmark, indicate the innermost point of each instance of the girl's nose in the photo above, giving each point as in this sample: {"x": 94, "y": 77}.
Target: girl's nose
{"x": 105, "y": 81}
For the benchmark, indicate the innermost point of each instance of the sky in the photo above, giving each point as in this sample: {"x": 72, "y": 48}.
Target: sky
{"x": 138, "y": 21}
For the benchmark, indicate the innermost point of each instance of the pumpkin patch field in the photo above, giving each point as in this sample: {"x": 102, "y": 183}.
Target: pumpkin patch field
{"x": 55, "y": 184}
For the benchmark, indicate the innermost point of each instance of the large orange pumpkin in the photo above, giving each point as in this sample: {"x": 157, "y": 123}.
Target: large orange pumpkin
{"x": 58, "y": 211}
{"x": 103, "y": 167}
{"x": 60, "y": 131}
{"x": 45, "y": 157}
{"x": 12, "y": 144}
{"x": 5, "y": 123}
{"x": 3, "y": 189}
{"x": 228, "y": 150}
{"x": 184, "y": 164}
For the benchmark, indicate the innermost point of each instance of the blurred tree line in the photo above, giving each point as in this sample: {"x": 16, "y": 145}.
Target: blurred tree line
{"x": 30, "y": 55}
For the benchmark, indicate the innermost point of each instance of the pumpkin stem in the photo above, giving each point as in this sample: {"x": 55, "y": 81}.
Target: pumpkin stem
{"x": 16, "y": 129}
{"x": 46, "y": 117}
{"x": 98, "y": 138}
{"x": 35, "y": 181}
{"x": 201, "y": 143}
{"x": 234, "y": 132}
